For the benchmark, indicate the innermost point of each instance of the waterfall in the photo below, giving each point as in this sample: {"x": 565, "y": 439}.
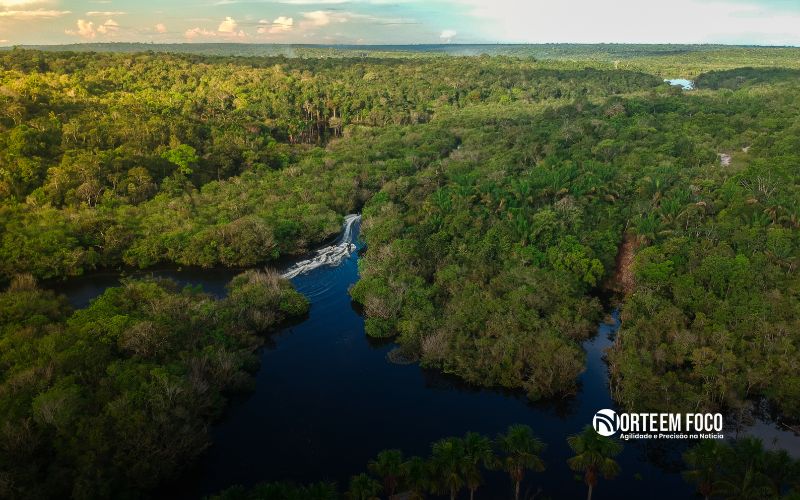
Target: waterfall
{"x": 332, "y": 255}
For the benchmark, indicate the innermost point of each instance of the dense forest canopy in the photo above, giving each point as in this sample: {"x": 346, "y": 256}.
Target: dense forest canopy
{"x": 497, "y": 194}
{"x": 109, "y": 401}
{"x": 508, "y": 237}
{"x": 137, "y": 159}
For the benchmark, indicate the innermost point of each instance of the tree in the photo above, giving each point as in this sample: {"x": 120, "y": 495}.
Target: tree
{"x": 520, "y": 450}
{"x": 479, "y": 452}
{"x": 447, "y": 465}
{"x": 594, "y": 455}
{"x": 184, "y": 156}
{"x": 704, "y": 461}
{"x": 363, "y": 487}
{"x": 138, "y": 184}
{"x": 389, "y": 466}
{"x": 779, "y": 469}
{"x": 416, "y": 474}
{"x": 743, "y": 471}
{"x": 740, "y": 470}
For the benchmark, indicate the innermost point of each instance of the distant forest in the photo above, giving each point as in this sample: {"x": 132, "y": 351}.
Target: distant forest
{"x": 668, "y": 60}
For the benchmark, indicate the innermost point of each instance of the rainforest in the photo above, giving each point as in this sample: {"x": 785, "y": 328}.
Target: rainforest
{"x": 544, "y": 231}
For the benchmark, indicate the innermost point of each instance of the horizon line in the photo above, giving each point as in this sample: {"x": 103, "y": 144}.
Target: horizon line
{"x": 410, "y": 44}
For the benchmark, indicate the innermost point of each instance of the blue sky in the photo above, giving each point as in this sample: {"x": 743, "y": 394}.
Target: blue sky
{"x": 769, "y": 22}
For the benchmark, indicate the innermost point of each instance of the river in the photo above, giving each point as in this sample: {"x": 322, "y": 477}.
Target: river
{"x": 327, "y": 399}
{"x": 681, "y": 82}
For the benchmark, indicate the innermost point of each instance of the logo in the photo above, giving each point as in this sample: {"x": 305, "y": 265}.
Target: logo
{"x": 605, "y": 422}
{"x": 658, "y": 425}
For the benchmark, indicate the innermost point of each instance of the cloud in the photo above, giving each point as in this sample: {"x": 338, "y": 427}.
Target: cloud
{"x": 85, "y": 30}
{"x": 106, "y": 13}
{"x": 226, "y": 29}
{"x": 193, "y": 33}
{"x": 284, "y": 21}
{"x": 90, "y": 30}
{"x": 109, "y": 26}
{"x": 281, "y": 24}
{"x": 24, "y": 15}
{"x": 21, "y": 10}
{"x": 287, "y": 2}
{"x": 311, "y": 2}
{"x": 11, "y": 4}
{"x": 230, "y": 28}
{"x": 318, "y": 18}
{"x": 160, "y": 28}
{"x": 228, "y": 25}
{"x": 447, "y": 35}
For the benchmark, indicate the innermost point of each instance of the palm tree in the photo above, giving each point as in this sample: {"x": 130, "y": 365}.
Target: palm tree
{"x": 447, "y": 465}
{"x": 704, "y": 461}
{"x": 389, "y": 466}
{"x": 478, "y": 452}
{"x": 794, "y": 478}
{"x": 319, "y": 491}
{"x": 363, "y": 487}
{"x": 417, "y": 477}
{"x": 743, "y": 475}
{"x": 521, "y": 450}
{"x": 779, "y": 470}
{"x": 749, "y": 485}
{"x": 594, "y": 455}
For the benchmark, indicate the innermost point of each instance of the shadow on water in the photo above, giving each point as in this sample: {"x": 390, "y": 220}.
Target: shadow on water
{"x": 81, "y": 290}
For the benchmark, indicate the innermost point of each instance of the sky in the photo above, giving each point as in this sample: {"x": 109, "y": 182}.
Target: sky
{"x": 760, "y": 22}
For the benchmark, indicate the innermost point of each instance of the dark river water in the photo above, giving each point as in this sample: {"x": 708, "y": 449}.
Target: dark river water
{"x": 326, "y": 400}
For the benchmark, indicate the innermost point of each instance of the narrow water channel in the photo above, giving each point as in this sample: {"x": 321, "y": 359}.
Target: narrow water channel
{"x": 327, "y": 400}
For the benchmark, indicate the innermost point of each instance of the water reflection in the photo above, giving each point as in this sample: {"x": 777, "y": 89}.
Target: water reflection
{"x": 681, "y": 82}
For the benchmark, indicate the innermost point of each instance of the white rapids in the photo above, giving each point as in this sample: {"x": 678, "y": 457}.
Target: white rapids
{"x": 332, "y": 255}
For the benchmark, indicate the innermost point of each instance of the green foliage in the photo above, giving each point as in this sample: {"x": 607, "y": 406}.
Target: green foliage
{"x": 741, "y": 469}
{"x": 717, "y": 278}
{"x": 703, "y": 461}
{"x": 110, "y": 400}
{"x": 389, "y": 466}
{"x": 738, "y": 470}
{"x": 478, "y": 453}
{"x": 520, "y": 450}
{"x": 447, "y": 465}
{"x": 280, "y": 491}
{"x": 183, "y": 156}
{"x": 594, "y": 456}
{"x": 495, "y": 191}
{"x": 363, "y": 487}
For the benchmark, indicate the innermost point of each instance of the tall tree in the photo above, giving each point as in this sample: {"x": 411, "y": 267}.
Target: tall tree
{"x": 594, "y": 456}
{"x": 743, "y": 471}
{"x": 183, "y": 156}
{"x": 389, "y": 466}
{"x": 779, "y": 469}
{"x": 520, "y": 450}
{"x": 363, "y": 487}
{"x": 704, "y": 461}
{"x": 416, "y": 475}
{"x": 478, "y": 453}
{"x": 447, "y": 465}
